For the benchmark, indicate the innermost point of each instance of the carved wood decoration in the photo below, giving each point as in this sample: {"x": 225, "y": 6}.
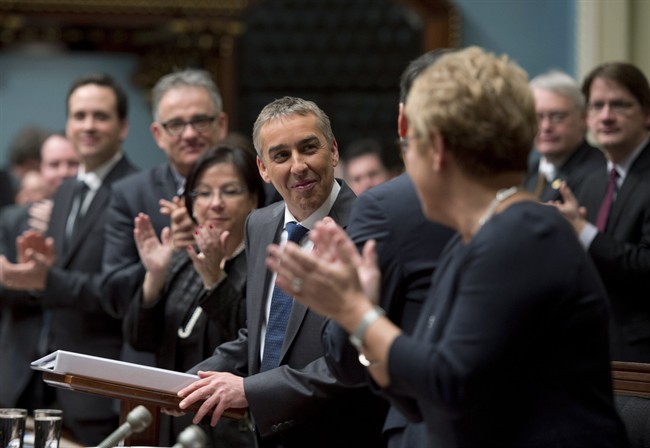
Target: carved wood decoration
{"x": 345, "y": 55}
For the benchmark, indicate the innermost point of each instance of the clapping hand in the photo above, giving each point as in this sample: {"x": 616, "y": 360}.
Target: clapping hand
{"x": 182, "y": 226}
{"x": 209, "y": 261}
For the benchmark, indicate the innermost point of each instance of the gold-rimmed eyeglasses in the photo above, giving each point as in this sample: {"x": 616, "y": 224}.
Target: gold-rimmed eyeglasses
{"x": 225, "y": 193}
{"x": 403, "y": 144}
{"x": 200, "y": 123}
{"x": 555, "y": 117}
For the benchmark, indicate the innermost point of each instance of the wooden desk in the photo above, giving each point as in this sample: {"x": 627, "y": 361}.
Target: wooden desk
{"x": 631, "y": 378}
{"x": 129, "y": 397}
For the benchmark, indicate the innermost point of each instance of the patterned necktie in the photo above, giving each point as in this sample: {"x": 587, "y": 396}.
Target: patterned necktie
{"x": 608, "y": 200}
{"x": 281, "y": 304}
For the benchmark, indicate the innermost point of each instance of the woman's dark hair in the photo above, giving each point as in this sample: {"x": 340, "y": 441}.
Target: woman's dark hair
{"x": 241, "y": 159}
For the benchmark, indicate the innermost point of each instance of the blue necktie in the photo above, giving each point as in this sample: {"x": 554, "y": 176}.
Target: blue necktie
{"x": 281, "y": 304}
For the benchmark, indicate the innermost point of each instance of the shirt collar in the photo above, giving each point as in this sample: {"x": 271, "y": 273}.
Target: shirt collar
{"x": 94, "y": 179}
{"x": 623, "y": 167}
{"x": 320, "y": 213}
{"x": 179, "y": 180}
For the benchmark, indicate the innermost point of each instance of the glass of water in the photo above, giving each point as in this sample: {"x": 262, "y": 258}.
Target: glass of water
{"x": 12, "y": 427}
{"x": 47, "y": 428}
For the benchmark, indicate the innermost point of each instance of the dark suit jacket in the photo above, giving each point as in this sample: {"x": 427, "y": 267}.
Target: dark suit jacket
{"x": 511, "y": 350}
{"x": 622, "y": 256}
{"x": 122, "y": 271}
{"x": 584, "y": 161}
{"x": 408, "y": 247}
{"x": 7, "y": 188}
{"x": 22, "y": 321}
{"x": 299, "y": 403}
{"x": 79, "y": 323}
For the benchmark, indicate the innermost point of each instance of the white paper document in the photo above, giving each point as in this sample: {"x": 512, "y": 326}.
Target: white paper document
{"x": 106, "y": 369}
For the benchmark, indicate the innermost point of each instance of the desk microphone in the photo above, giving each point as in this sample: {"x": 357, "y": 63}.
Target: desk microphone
{"x": 192, "y": 437}
{"x": 136, "y": 421}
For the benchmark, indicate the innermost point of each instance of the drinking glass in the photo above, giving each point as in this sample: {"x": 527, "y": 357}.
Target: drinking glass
{"x": 47, "y": 427}
{"x": 12, "y": 427}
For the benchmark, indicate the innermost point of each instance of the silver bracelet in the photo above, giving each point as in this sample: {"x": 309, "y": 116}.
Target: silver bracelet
{"x": 356, "y": 338}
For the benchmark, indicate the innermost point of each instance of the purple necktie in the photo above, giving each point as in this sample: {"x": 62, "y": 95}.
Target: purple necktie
{"x": 281, "y": 304}
{"x": 608, "y": 200}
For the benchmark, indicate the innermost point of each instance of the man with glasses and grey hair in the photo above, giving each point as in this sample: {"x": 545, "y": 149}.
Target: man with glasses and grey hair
{"x": 188, "y": 118}
{"x": 565, "y": 154}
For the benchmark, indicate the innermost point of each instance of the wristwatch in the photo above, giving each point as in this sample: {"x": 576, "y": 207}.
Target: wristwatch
{"x": 356, "y": 338}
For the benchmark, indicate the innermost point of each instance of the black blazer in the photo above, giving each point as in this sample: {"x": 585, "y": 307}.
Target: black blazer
{"x": 584, "y": 161}
{"x": 622, "y": 255}
{"x": 408, "y": 248}
{"x": 122, "y": 270}
{"x": 7, "y": 188}
{"x": 511, "y": 350}
{"x": 79, "y": 323}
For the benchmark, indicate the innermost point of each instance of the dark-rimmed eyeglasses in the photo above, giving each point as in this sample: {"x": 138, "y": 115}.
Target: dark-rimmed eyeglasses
{"x": 618, "y": 107}
{"x": 200, "y": 123}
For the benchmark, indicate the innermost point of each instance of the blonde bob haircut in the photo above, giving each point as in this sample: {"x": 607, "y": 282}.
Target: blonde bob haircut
{"x": 482, "y": 107}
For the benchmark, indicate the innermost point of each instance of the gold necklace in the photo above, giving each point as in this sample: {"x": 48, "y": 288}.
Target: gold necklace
{"x": 501, "y": 196}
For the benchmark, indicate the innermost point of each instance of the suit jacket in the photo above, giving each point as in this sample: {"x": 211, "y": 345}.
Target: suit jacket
{"x": 584, "y": 161}
{"x": 622, "y": 255}
{"x": 408, "y": 249}
{"x": 72, "y": 293}
{"x": 7, "y": 188}
{"x": 22, "y": 323}
{"x": 511, "y": 350}
{"x": 122, "y": 271}
{"x": 299, "y": 403}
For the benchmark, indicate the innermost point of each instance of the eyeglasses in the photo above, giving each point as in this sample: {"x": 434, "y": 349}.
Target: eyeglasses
{"x": 618, "y": 107}
{"x": 555, "y": 117}
{"x": 403, "y": 143}
{"x": 200, "y": 123}
{"x": 225, "y": 193}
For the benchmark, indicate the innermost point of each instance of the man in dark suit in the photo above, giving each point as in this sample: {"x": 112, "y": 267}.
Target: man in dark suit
{"x": 188, "y": 119}
{"x": 408, "y": 247}
{"x": 565, "y": 155}
{"x": 618, "y": 104}
{"x": 23, "y": 332}
{"x": 294, "y": 402}
{"x": 63, "y": 271}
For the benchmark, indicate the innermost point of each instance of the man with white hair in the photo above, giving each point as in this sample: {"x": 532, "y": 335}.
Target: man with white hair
{"x": 565, "y": 154}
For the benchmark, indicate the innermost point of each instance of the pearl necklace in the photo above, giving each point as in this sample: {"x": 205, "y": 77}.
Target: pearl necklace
{"x": 501, "y": 196}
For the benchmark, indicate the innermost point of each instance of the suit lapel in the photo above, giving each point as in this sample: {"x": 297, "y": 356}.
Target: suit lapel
{"x": 96, "y": 208}
{"x": 270, "y": 229}
{"x": 340, "y": 212}
{"x": 626, "y": 193}
{"x": 58, "y": 220}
